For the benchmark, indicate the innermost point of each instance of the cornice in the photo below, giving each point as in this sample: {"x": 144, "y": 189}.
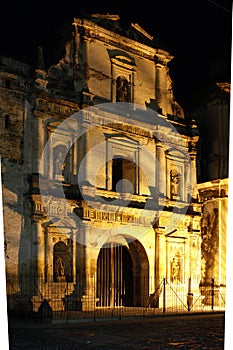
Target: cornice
{"x": 93, "y": 31}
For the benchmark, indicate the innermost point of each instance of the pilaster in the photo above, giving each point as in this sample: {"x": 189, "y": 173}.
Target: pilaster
{"x": 160, "y": 170}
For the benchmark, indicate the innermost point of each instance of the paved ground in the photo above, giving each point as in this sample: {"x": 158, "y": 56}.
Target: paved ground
{"x": 205, "y": 331}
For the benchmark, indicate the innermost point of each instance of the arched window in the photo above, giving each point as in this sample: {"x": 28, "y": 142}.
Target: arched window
{"x": 122, "y": 90}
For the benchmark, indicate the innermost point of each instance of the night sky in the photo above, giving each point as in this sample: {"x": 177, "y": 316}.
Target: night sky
{"x": 197, "y": 33}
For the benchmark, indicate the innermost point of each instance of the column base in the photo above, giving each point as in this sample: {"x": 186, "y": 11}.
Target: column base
{"x": 88, "y": 303}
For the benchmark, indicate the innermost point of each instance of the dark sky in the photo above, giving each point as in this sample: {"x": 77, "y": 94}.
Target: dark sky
{"x": 197, "y": 33}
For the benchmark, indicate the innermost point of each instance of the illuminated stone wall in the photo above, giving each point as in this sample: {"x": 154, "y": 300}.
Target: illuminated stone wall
{"x": 214, "y": 228}
{"x": 64, "y": 215}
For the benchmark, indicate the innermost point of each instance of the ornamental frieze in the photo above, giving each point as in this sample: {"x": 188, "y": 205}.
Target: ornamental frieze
{"x": 167, "y": 138}
{"x": 97, "y": 120}
{"x": 120, "y": 217}
{"x": 53, "y": 208}
{"x": 62, "y": 208}
{"x": 50, "y": 107}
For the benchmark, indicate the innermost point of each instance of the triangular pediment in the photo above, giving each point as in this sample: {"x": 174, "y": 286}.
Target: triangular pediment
{"x": 121, "y": 138}
{"x": 175, "y": 234}
{"x": 141, "y": 31}
{"x": 63, "y": 222}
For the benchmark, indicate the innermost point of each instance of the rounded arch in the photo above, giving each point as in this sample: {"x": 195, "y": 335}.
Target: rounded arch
{"x": 122, "y": 273}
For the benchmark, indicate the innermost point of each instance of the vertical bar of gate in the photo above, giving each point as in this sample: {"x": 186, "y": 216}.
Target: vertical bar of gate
{"x": 143, "y": 305}
{"x": 189, "y": 294}
{"x": 212, "y": 295}
{"x": 94, "y": 294}
{"x": 67, "y": 304}
{"x": 164, "y": 295}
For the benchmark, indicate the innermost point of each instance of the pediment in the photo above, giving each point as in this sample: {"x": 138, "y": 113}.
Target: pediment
{"x": 121, "y": 139}
{"x": 141, "y": 31}
{"x": 121, "y": 57}
{"x": 62, "y": 222}
{"x": 176, "y": 153}
{"x": 175, "y": 234}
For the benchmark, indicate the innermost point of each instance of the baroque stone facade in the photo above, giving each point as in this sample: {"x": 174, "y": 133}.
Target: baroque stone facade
{"x": 99, "y": 172}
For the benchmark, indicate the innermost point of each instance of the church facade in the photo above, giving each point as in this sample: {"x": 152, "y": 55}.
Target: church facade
{"x": 99, "y": 173}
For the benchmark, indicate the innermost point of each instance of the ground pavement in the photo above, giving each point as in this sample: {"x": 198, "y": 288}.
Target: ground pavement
{"x": 189, "y": 331}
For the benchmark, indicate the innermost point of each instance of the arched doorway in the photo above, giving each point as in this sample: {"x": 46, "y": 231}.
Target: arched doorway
{"x": 122, "y": 275}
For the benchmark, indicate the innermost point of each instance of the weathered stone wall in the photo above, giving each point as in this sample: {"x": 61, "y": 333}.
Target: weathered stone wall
{"x": 214, "y": 230}
{"x": 11, "y": 124}
{"x": 31, "y": 232}
{"x": 16, "y": 154}
{"x": 13, "y": 211}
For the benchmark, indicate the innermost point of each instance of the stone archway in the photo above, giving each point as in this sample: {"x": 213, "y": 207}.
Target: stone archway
{"x": 122, "y": 275}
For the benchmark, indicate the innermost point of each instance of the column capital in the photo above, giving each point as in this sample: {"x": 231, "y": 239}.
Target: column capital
{"x": 158, "y": 142}
{"x": 160, "y": 231}
{"x": 38, "y": 219}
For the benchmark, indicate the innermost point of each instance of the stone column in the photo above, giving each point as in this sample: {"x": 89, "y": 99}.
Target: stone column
{"x": 137, "y": 287}
{"x": 86, "y": 58}
{"x": 187, "y": 184}
{"x": 76, "y": 46}
{"x": 38, "y": 144}
{"x": 193, "y": 168}
{"x": 82, "y": 151}
{"x": 38, "y": 248}
{"x": 160, "y": 256}
{"x": 158, "y": 95}
{"x": 193, "y": 177}
{"x": 75, "y": 162}
{"x": 49, "y": 255}
{"x": 88, "y": 267}
{"x": 73, "y": 255}
{"x": 160, "y": 170}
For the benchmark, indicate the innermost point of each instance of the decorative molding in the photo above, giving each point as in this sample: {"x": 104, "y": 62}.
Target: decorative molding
{"x": 47, "y": 106}
{"x": 103, "y": 121}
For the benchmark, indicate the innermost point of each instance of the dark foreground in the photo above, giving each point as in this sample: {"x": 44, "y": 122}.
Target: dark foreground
{"x": 205, "y": 331}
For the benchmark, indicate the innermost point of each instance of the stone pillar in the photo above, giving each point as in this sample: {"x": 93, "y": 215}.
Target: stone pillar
{"x": 86, "y": 58}
{"x": 88, "y": 264}
{"x": 160, "y": 170}
{"x": 76, "y": 46}
{"x": 38, "y": 248}
{"x": 38, "y": 145}
{"x": 83, "y": 157}
{"x": 158, "y": 95}
{"x": 160, "y": 256}
{"x": 137, "y": 287}
{"x": 74, "y": 246}
{"x": 162, "y": 87}
{"x": 193, "y": 168}
{"x": 193, "y": 177}
{"x": 75, "y": 163}
{"x": 49, "y": 255}
{"x": 187, "y": 184}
